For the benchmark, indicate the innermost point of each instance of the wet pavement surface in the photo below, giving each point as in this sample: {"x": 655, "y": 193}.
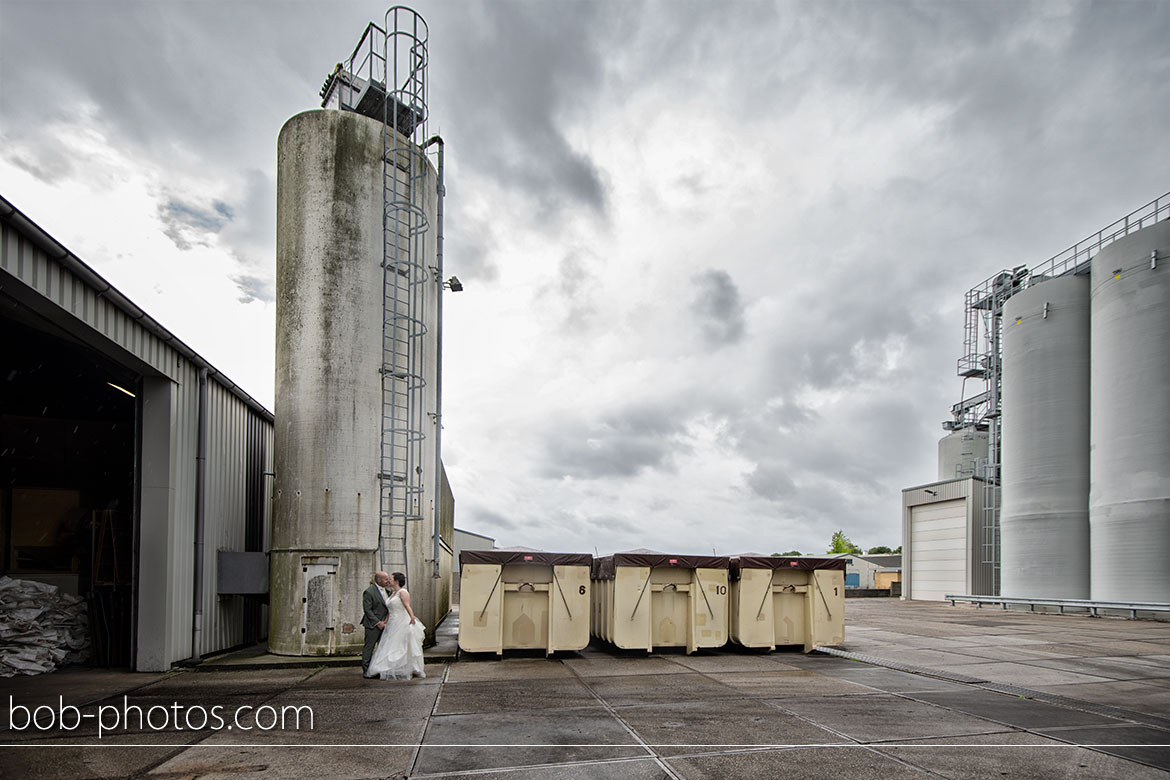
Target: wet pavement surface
{"x": 918, "y": 690}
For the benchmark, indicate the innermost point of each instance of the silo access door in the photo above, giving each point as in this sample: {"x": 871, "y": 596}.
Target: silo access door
{"x": 318, "y": 574}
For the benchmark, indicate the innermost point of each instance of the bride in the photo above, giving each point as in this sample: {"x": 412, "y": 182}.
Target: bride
{"x": 398, "y": 655}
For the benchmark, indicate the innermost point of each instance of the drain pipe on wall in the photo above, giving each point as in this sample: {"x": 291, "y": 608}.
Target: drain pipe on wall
{"x": 441, "y": 191}
{"x": 200, "y": 510}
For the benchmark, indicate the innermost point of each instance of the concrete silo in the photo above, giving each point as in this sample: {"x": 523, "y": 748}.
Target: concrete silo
{"x": 1129, "y": 492}
{"x": 1044, "y": 516}
{"x": 329, "y": 283}
{"x": 357, "y": 413}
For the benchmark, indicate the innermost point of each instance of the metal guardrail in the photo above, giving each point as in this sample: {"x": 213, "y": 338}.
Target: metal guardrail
{"x": 1076, "y": 256}
{"x": 1133, "y": 607}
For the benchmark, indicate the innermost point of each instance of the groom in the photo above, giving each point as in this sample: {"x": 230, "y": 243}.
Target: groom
{"x": 374, "y": 614}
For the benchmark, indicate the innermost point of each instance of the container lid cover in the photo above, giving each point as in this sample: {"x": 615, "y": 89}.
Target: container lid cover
{"x": 606, "y": 568}
{"x": 523, "y": 555}
{"x": 781, "y": 562}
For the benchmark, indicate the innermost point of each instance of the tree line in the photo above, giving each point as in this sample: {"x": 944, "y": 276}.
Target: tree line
{"x": 841, "y": 543}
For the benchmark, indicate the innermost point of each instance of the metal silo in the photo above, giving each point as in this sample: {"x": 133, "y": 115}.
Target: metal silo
{"x": 961, "y": 453}
{"x": 1129, "y": 494}
{"x": 1044, "y": 520}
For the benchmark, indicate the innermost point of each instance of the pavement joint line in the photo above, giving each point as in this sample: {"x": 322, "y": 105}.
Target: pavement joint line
{"x": 1118, "y": 725}
{"x": 875, "y": 749}
{"x": 774, "y": 704}
{"x": 172, "y": 674}
{"x": 426, "y": 726}
{"x": 998, "y": 730}
{"x": 629, "y": 729}
{"x": 1145, "y": 719}
{"x": 524, "y": 767}
{"x": 1097, "y": 747}
{"x": 127, "y": 691}
{"x": 780, "y": 749}
{"x": 144, "y": 772}
{"x": 1027, "y": 693}
{"x": 1008, "y": 689}
{"x": 533, "y": 710}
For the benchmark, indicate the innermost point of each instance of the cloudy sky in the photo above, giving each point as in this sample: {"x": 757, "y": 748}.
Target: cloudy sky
{"x": 714, "y": 253}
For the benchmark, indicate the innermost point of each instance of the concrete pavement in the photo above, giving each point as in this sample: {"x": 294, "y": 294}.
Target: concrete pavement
{"x": 951, "y": 692}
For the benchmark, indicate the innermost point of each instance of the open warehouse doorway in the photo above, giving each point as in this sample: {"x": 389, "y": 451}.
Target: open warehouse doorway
{"x": 134, "y": 473}
{"x": 68, "y": 419}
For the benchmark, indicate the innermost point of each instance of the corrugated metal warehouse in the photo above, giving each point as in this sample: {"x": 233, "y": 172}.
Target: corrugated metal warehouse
{"x": 130, "y": 466}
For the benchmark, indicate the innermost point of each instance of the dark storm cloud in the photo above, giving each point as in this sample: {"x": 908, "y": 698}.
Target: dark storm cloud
{"x": 517, "y": 72}
{"x": 612, "y": 524}
{"x": 1020, "y": 89}
{"x": 771, "y": 481}
{"x": 572, "y": 289}
{"x": 254, "y": 288}
{"x": 1005, "y": 162}
{"x": 468, "y": 244}
{"x": 162, "y": 79}
{"x": 246, "y": 230}
{"x": 718, "y": 306}
{"x": 573, "y": 274}
{"x": 621, "y": 444}
{"x": 1025, "y": 92}
{"x": 122, "y": 71}
{"x": 48, "y": 164}
{"x": 250, "y": 235}
{"x": 576, "y": 282}
{"x": 486, "y": 518}
{"x": 188, "y": 225}
{"x": 757, "y": 432}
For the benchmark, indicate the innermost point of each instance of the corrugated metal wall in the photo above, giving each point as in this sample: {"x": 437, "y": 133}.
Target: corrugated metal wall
{"x": 28, "y": 263}
{"x": 239, "y": 441}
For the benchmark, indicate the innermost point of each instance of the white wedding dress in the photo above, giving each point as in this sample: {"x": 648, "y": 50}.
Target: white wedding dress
{"x": 398, "y": 655}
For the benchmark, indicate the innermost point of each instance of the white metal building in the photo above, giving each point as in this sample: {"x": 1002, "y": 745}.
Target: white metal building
{"x": 130, "y": 464}
{"x": 861, "y": 570}
{"x": 943, "y": 541}
{"x": 466, "y": 540}
{"x": 469, "y": 540}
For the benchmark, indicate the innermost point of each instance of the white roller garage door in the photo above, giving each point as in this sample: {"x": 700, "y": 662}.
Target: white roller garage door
{"x": 938, "y": 549}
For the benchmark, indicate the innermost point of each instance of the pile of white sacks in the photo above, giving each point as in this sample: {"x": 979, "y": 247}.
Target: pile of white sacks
{"x": 40, "y": 628}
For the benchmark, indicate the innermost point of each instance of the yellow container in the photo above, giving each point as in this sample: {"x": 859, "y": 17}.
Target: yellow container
{"x": 643, "y": 600}
{"x": 523, "y": 600}
{"x": 787, "y": 601}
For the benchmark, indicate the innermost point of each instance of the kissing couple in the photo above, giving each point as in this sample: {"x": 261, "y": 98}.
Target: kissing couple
{"x": 393, "y": 649}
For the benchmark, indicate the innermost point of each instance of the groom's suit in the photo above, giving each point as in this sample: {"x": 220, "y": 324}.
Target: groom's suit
{"x": 373, "y": 612}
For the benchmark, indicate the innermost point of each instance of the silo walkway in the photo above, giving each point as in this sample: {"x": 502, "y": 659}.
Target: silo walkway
{"x": 948, "y": 692}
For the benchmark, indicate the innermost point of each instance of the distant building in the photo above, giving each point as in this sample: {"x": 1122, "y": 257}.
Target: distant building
{"x": 869, "y": 571}
{"x": 467, "y": 540}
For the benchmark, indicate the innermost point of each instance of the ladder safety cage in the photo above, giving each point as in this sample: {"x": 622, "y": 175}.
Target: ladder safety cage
{"x": 405, "y": 276}
{"x": 385, "y": 78}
